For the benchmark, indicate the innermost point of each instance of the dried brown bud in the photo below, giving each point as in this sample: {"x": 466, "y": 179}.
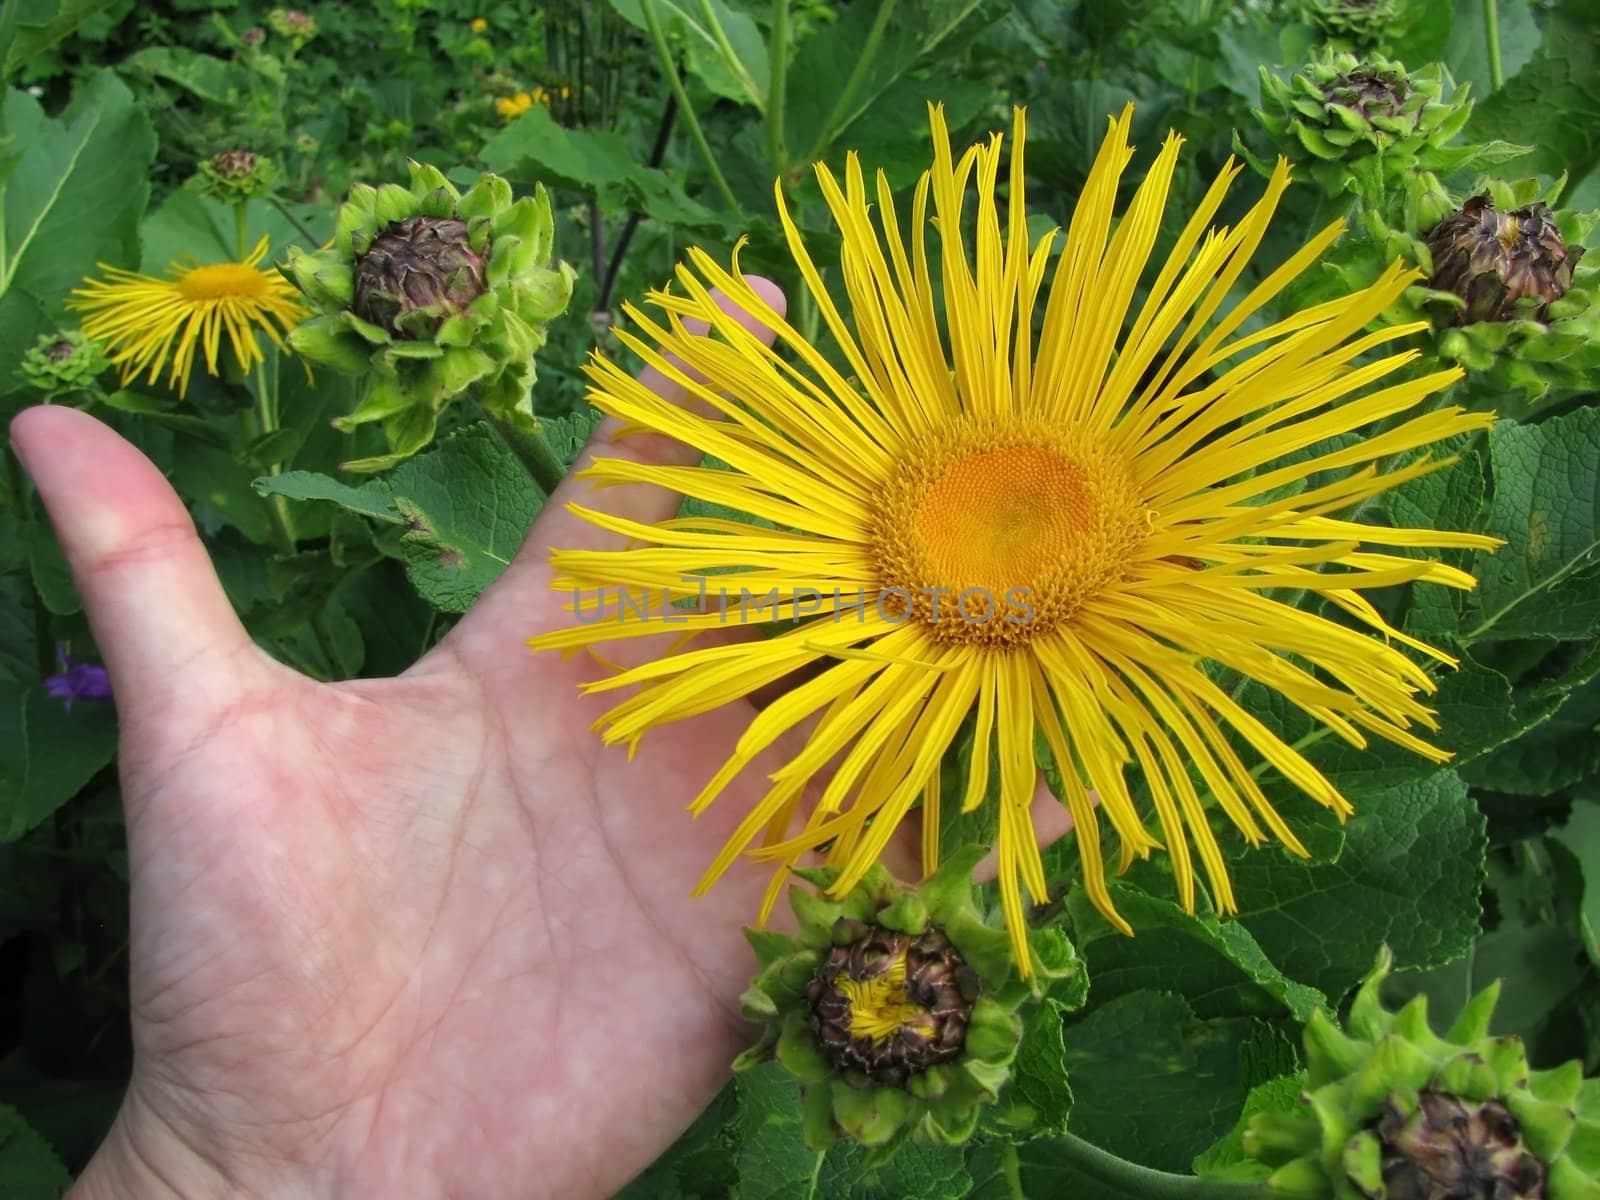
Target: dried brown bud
{"x": 890, "y": 1005}
{"x": 234, "y": 164}
{"x": 420, "y": 263}
{"x": 1448, "y": 1148}
{"x": 1370, "y": 92}
{"x": 1494, "y": 259}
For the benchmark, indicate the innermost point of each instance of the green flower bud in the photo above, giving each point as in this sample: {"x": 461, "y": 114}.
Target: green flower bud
{"x": 1355, "y": 23}
{"x": 435, "y": 295}
{"x": 59, "y": 364}
{"x": 293, "y": 24}
{"x": 234, "y": 176}
{"x": 1393, "y": 1111}
{"x": 1366, "y": 125}
{"x": 905, "y": 1023}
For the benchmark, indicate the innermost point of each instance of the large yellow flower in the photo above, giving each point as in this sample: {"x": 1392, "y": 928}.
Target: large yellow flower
{"x": 141, "y": 319}
{"x": 1055, "y": 520}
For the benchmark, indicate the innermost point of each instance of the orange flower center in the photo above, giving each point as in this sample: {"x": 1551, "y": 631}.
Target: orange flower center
{"x": 997, "y": 534}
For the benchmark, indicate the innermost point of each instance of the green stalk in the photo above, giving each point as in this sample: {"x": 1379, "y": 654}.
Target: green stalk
{"x": 731, "y": 56}
{"x": 1012, "y": 1166}
{"x": 266, "y": 421}
{"x": 670, "y": 69}
{"x": 778, "y": 57}
{"x": 533, "y": 451}
{"x": 858, "y": 75}
{"x": 241, "y": 228}
{"x": 1491, "y": 28}
{"x": 1143, "y": 1183}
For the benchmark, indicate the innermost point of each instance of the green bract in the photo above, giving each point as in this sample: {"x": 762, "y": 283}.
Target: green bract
{"x": 1367, "y": 125}
{"x": 958, "y": 1032}
{"x": 434, "y": 294}
{"x": 234, "y": 176}
{"x": 1393, "y": 1111}
{"x": 59, "y": 364}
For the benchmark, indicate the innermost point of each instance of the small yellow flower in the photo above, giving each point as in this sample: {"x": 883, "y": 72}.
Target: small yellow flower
{"x": 478, "y": 25}
{"x": 511, "y": 107}
{"x": 141, "y": 319}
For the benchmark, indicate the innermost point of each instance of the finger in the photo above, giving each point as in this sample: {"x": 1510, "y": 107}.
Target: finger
{"x": 158, "y": 611}
{"x": 559, "y": 527}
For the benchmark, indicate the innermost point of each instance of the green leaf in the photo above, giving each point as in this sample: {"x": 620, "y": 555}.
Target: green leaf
{"x": 1154, "y": 1083}
{"x": 568, "y": 434}
{"x": 47, "y": 754}
{"x": 205, "y": 77}
{"x": 218, "y": 488}
{"x": 1553, "y": 103}
{"x": 467, "y": 504}
{"x": 722, "y": 46}
{"x": 927, "y": 1172}
{"x": 371, "y": 499}
{"x": 73, "y": 198}
{"x": 29, "y": 1168}
{"x": 1409, "y": 875}
{"x": 535, "y": 149}
{"x": 1227, "y": 1157}
{"x": 821, "y": 104}
{"x": 699, "y": 1164}
{"x": 1198, "y": 955}
{"x": 774, "y": 1163}
{"x": 47, "y": 22}
{"x": 51, "y": 576}
{"x": 1038, "y": 1098}
{"x": 1547, "y": 507}
{"x": 1549, "y": 758}
{"x": 1581, "y": 836}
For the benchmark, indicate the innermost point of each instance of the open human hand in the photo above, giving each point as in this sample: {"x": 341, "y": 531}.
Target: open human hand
{"x": 422, "y": 936}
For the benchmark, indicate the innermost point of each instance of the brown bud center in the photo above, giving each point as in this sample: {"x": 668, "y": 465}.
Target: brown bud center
{"x": 891, "y": 1005}
{"x": 1493, "y": 259}
{"x": 59, "y": 350}
{"x": 1451, "y": 1150}
{"x": 1369, "y": 92}
{"x": 417, "y": 273}
{"x": 234, "y": 164}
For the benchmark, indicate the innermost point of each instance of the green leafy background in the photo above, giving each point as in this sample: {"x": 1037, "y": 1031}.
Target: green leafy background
{"x": 1487, "y": 867}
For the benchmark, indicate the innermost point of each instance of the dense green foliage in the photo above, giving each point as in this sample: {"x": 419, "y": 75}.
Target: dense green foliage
{"x": 656, "y": 126}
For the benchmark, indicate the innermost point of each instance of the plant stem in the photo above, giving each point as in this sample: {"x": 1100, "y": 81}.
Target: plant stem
{"x": 266, "y": 420}
{"x": 841, "y": 106}
{"x": 1144, "y": 1183}
{"x": 778, "y": 58}
{"x": 1012, "y": 1166}
{"x": 1491, "y": 29}
{"x": 669, "y": 68}
{"x": 295, "y": 221}
{"x": 241, "y": 228}
{"x": 731, "y": 56}
{"x": 533, "y": 452}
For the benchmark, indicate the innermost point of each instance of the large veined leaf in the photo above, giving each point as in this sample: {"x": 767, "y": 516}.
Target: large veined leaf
{"x": 72, "y": 197}
{"x": 31, "y": 28}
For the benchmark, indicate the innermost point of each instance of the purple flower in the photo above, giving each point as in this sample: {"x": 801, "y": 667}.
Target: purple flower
{"x": 77, "y": 680}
